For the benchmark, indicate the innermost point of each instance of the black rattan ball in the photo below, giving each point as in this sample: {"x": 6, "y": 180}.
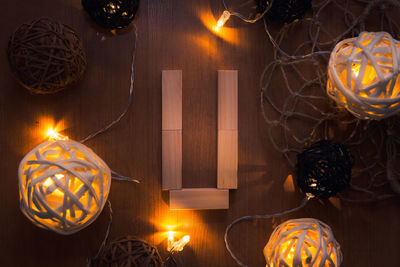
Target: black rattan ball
{"x": 111, "y": 14}
{"x": 324, "y": 169}
{"x": 129, "y": 252}
{"x": 285, "y": 11}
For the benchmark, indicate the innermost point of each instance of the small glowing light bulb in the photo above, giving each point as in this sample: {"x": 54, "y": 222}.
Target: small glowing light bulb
{"x": 52, "y": 134}
{"x": 170, "y": 235}
{"x": 355, "y": 69}
{"x": 59, "y": 175}
{"x": 180, "y": 244}
{"x": 47, "y": 182}
{"x": 223, "y": 19}
{"x": 186, "y": 239}
{"x": 171, "y": 240}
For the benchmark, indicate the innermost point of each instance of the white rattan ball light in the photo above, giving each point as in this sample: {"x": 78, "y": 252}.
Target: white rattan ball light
{"x": 63, "y": 186}
{"x": 363, "y": 75}
{"x": 302, "y": 242}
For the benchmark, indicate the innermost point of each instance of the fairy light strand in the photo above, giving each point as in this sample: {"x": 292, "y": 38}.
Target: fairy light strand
{"x": 224, "y": 18}
{"x": 176, "y": 247}
{"x": 237, "y": 14}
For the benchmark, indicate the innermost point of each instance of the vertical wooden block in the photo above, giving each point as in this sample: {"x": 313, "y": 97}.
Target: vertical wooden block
{"x": 227, "y": 100}
{"x": 227, "y": 159}
{"x": 227, "y": 129}
{"x": 171, "y": 100}
{"x": 171, "y": 159}
{"x": 198, "y": 198}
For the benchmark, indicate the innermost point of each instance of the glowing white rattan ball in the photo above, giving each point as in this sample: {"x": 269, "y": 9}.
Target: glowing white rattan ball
{"x": 303, "y": 242}
{"x": 63, "y": 186}
{"x": 364, "y": 75}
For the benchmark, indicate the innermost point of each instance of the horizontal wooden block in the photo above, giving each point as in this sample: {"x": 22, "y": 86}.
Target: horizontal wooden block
{"x": 171, "y": 159}
{"x": 171, "y": 100}
{"x": 198, "y": 198}
{"x": 227, "y": 100}
{"x": 227, "y": 167}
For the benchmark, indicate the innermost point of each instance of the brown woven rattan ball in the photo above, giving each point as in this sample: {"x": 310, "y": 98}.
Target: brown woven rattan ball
{"x": 46, "y": 56}
{"x": 129, "y": 252}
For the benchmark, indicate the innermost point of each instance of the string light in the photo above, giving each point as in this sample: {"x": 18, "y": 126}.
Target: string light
{"x": 227, "y": 14}
{"x": 53, "y": 135}
{"x": 181, "y": 243}
{"x": 171, "y": 239}
{"x": 176, "y": 246}
{"x": 223, "y": 19}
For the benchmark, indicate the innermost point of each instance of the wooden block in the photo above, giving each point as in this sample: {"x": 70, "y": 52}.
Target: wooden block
{"x": 198, "y": 198}
{"x": 227, "y": 100}
{"x": 227, "y": 166}
{"x": 171, "y": 100}
{"x": 171, "y": 159}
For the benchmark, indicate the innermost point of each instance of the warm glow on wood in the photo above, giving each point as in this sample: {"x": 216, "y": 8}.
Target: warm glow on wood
{"x": 63, "y": 186}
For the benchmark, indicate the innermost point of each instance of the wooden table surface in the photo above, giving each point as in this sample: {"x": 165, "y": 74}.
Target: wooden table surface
{"x": 173, "y": 34}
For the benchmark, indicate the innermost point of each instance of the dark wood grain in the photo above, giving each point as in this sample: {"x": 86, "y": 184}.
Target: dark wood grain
{"x": 172, "y": 35}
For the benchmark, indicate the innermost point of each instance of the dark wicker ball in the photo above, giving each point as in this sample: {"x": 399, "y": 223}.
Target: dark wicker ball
{"x": 285, "y": 11}
{"x": 111, "y": 14}
{"x": 324, "y": 169}
{"x": 46, "y": 56}
{"x": 129, "y": 252}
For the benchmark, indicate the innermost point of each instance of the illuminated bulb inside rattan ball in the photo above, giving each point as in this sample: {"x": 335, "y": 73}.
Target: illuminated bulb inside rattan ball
{"x": 63, "y": 186}
{"x": 303, "y": 242}
{"x": 364, "y": 75}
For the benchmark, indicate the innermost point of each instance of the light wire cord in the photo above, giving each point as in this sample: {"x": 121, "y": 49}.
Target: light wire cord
{"x": 176, "y": 262}
{"x": 116, "y": 175}
{"x": 103, "y": 244}
{"x": 251, "y": 217}
{"x": 237, "y": 14}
